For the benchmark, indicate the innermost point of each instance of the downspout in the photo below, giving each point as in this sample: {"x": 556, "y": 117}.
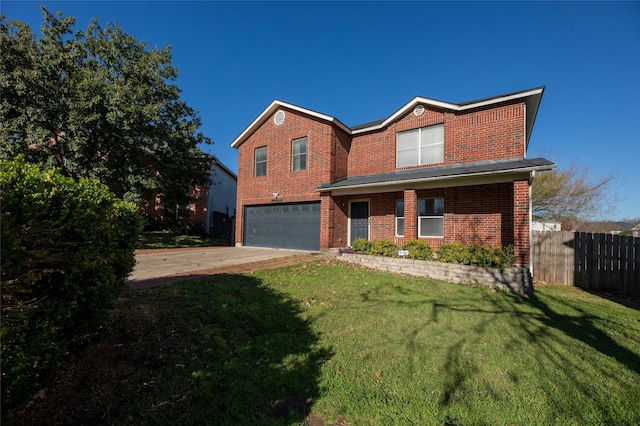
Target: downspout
{"x": 532, "y": 176}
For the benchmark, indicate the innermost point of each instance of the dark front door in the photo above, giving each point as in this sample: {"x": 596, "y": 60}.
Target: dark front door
{"x": 359, "y": 220}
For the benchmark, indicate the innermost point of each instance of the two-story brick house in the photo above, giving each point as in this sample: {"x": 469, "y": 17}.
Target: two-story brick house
{"x": 432, "y": 170}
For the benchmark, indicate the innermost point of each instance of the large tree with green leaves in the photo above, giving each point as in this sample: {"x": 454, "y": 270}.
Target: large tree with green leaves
{"x": 98, "y": 103}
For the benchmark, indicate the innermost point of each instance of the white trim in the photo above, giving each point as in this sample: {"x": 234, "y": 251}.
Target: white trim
{"x": 429, "y": 217}
{"x": 359, "y": 200}
{"x": 274, "y": 105}
{"x": 255, "y": 161}
{"x": 447, "y": 105}
{"x": 526, "y": 133}
{"x": 279, "y": 113}
{"x": 399, "y": 217}
{"x": 306, "y": 150}
{"x": 421, "y": 147}
{"x": 532, "y": 174}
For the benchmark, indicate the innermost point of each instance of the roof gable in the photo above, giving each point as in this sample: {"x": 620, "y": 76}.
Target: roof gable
{"x": 531, "y": 98}
{"x": 272, "y": 108}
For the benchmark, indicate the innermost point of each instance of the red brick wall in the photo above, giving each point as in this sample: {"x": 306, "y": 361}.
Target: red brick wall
{"x": 322, "y": 143}
{"x": 494, "y": 134}
{"x": 495, "y": 214}
{"x": 480, "y": 214}
{"x": 469, "y": 137}
{"x": 154, "y": 208}
{"x": 521, "y": 225}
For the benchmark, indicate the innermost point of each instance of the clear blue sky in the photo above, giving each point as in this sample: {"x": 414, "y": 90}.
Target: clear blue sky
{"x": 360, "y": 61}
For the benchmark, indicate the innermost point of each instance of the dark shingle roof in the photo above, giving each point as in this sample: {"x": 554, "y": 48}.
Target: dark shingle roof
{"x": 440, "y": 172}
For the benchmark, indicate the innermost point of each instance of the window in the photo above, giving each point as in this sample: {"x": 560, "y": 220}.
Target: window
{"x": 399, "y": 218}
{"x": 176, "y": 212}
{"x": 299, "y": 154}
{"x": 431, "y": 217}
{"x": 420, "y": 146}
{"x": 261, "y": 161}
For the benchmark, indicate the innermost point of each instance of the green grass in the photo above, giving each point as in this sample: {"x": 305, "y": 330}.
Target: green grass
{"x": 340, "y": 342}
{"x": 167, "y": 239}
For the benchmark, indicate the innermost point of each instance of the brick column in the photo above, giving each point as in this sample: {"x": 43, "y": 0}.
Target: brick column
{"x": 326, "y": 210}
{"x": 521, "y": 229}
{"x": 410, "y": 215}
{"x": 239, "y": 222}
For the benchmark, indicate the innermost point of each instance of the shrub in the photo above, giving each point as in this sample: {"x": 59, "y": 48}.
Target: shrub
{"x": 361, "y": 245}
{"x": 451, "y": 253}
{"x": 197, "y": 229}
{"x": 418, "y": 249}
{"x": 67, "y": 249}
{"x": 506, "y": 255}
{"x": 384, "y": 248}
{"x": 475, "y": 255}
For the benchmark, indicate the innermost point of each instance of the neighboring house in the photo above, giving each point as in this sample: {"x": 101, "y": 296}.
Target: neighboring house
{"x": 635, "y": 231}
{"x": 546, "y": 226}
{"x": 433, "y": 170}
{"x": 606, "y": 227}
{"x": 221, "y": 201}
{"x": 214, "y": 206}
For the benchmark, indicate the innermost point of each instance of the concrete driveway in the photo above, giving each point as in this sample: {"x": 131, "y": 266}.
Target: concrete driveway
{"x": 163, "y": 266}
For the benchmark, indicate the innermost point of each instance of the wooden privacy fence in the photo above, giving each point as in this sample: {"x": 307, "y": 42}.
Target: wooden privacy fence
{"x": 602, "y": 262}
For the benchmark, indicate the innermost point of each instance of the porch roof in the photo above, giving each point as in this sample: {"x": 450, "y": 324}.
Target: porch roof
{"x": 463, "y": 174}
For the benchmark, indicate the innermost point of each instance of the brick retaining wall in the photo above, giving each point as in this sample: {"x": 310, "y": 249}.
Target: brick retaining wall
{"x": 517, "y": 280}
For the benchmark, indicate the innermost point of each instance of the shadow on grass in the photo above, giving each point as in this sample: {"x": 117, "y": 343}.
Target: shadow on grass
{"x": 632, "y": 302}
{"x": 583, "y": 327}
{"x": 564, "y": 376}
{"x": 248, "y": 356}
{"x": 226, "y": 350}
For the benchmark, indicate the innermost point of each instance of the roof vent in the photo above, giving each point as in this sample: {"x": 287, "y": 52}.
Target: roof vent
{"x": 278, "y": 119}
{"x": 418, "y": 110}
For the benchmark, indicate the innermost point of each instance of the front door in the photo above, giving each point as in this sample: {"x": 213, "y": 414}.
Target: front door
{"x": 359, "y": 220}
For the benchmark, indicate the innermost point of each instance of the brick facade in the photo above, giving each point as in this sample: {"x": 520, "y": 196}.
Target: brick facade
{"x": 489, "y": 210}
{"x": 155, "y": 209}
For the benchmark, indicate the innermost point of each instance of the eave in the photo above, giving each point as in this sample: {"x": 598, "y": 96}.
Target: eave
{"x": 439, "y": 177}
{"x": 531, "y": 98}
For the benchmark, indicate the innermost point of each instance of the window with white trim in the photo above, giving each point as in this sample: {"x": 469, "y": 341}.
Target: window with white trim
{"x": 399, "y": 218}
{"x": 299, "y": 154}
{"x": 421, "y": 146}
{"x": 260, "y": 168}
{"x": 431, "y": 217}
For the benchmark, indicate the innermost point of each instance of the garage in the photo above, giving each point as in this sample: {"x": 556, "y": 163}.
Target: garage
{"x": 287, "y": 226}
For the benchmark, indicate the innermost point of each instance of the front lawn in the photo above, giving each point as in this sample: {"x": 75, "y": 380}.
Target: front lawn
{"x": 350, "y": 346}
{"x": 168, "y": 239}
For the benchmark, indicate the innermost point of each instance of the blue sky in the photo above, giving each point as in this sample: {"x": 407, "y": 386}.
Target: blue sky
{"x": 361, "y": 61}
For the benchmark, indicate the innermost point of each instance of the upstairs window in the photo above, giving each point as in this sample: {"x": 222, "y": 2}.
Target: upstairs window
{"x": 299, "y": 154}
{"x": 260, "y": 168}
{"x": 421, "y": 146}
{"x": 399, "y": 218}
{"x": 431, "y": 217}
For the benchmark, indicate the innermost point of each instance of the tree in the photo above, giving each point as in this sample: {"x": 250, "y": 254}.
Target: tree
{"x": 573, "y": 195}
{"x": 98, "y": 103}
